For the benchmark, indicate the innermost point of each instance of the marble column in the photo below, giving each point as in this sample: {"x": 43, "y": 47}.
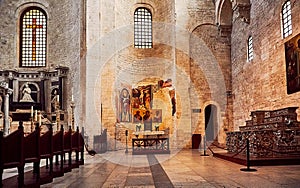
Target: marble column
{"x": 8, "y": 92}
{"x": 6, "y": 125}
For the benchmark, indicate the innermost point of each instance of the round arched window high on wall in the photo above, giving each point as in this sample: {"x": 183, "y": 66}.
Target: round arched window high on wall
{"x": 33, "y": 38}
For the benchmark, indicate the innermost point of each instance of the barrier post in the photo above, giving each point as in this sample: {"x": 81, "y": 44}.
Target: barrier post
{"x": 248, "y": 169}
{"x": 204, "y": 146}
{"x": 126, "y": 134}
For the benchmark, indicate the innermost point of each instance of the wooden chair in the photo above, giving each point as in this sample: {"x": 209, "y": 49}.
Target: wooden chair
{"x": 12, "y": 153}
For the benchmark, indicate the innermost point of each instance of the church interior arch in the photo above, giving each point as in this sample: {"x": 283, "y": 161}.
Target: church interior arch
{"x": 211, "y": 123}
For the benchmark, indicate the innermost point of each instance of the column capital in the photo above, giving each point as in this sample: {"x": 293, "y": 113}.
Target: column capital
{"x": 8, "y": 91}
{"x": 3, "y": 85}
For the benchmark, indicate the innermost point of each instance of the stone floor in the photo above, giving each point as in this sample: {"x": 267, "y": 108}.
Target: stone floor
{"x": 185, "y": 168}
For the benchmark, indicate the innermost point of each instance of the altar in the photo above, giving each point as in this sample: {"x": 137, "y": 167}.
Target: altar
{"x": 150, "y": 142}
{"x": 272, "y": 134}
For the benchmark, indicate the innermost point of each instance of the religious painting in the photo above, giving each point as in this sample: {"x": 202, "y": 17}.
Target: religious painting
{"x": 138, "y": 115}
{"x": 147, "y": 120}
{"x": 142, "y": 97}
{"x": 173, "y": 101}
{"x": 292, "y": 57}
{"x": 163, "y": 84}
{"x": 136, "y": 102}
{"x": 124, "y": 98}
{"x": 156, "y": 115}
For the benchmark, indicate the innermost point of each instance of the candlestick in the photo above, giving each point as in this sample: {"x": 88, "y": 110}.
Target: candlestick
{"x": 31, "y": 112}
{"x": 35, "y": 115}
{"x": 40, "y": 119}
{"x": 72, "y": 97}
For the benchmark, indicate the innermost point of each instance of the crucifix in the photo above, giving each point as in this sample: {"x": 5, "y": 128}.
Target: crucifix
{"x": 34, "y": 26}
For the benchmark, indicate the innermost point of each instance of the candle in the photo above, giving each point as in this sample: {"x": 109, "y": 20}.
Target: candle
{"x": 40, "y": 119}
{"x": 72, "y": 97}
{"x": 35, "y": 115}
{"x": 31, "y": 111}
{"x": 57, "y": 98}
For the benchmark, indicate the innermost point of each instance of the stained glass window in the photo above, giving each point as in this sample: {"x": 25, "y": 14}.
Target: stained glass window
{"x": 33, "y": 38}
{"x": 142, "y": 28}
{"x": 286, "y": 19}
{"x": 250, "y": 48}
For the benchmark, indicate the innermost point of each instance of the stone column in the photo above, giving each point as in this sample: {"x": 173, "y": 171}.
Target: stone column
{"x": 6, "y": 125}
{"x": 6, "y": 92}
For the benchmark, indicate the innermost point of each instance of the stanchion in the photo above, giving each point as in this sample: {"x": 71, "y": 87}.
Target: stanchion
{"x": 126, "y": 134}
{"x": 248, "y": 169}
{"x": 204, "y": 146}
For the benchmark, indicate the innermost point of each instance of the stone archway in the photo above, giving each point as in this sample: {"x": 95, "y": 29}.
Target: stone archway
{"x": 211, "y": 123}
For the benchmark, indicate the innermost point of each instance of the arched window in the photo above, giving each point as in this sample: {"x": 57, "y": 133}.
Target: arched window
{"x": 286, "y": 19}
{"x": 250, "y": 48}
{"x": 142, "y": 28}
{"x": 33, "y": 38}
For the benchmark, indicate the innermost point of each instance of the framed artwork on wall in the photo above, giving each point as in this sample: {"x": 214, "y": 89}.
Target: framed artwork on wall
{"x": 157, "y": 115}
{"x": 292, "y": 61}
{"x": 124, "y": 97}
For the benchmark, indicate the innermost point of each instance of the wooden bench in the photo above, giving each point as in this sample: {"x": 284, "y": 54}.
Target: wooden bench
{"x": 67, "y": 150}
{"x": 16, "y": 150}
{"x": 46, "y": 152}
{"x": 75, "y": 148}
{"x": 32, "y": 155}
{"x": 12, "y": 154}
{"x": 58, "y": 152}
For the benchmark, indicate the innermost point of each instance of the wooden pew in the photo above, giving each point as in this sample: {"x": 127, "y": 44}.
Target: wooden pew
{"x": 58, "y": 151}
{"x": 32, "y": 155}
{"x": 12, "y": 153}
{"x": 46, "y": 152}
{"x": 75, "y": 148}
{"x": 67, "y": 144}
{"x": 81, "y": 149}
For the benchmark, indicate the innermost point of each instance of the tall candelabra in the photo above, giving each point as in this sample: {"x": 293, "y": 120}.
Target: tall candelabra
{"x": 57, "y": 114}
{"x": 72, "y": 115}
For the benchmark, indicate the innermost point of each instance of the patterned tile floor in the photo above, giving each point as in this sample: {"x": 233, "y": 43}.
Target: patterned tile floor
{"x": 185, "y": 168}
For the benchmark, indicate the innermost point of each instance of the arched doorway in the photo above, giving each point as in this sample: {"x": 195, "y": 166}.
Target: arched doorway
{"x": 211, "y": 123}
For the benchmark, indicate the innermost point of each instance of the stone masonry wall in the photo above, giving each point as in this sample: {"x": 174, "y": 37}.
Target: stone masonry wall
{"x": 261, "y": 83}
{"x": 116, "y": 63}
{"x": 63, "y": 39}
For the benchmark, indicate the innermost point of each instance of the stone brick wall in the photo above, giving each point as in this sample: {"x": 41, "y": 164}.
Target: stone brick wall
{"x": 187, "y": 47}
{"x": 117, "y": 64}
{"x": 261, "y": 83}
{"x": 63, "y": 29}
{"x": 64, "y": 36}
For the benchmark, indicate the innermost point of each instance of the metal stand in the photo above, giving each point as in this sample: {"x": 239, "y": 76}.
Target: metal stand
{"x": 204, "y": 146}
{"x": 57, "y": 114}
{"x": 116, "y": 137}
{"x": 72, "y": 115}
{"x": 248, "y": 169}
{"x": 126, "y": 134}
{"x": 31, "y": 124}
